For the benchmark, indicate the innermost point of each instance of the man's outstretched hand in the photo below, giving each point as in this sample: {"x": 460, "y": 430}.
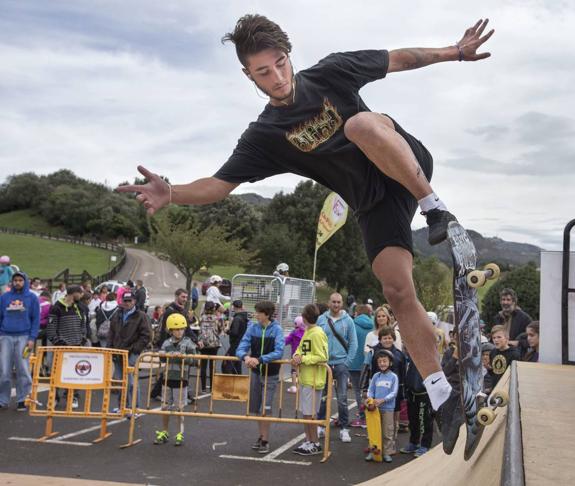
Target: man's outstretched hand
{"x": 154, "y": 195}
{"x": 472, "y": 40}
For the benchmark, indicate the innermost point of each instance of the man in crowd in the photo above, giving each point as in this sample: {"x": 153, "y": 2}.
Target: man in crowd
{"x": 130, "y": 329}
{"x": 511, "y": 317}
{"x": 140, "y": 294}
{"x": 66, "y": 324}
{"x": 19, "y": 326}
{"x": 342, "y": 344}
{"x": 236, "y": 331}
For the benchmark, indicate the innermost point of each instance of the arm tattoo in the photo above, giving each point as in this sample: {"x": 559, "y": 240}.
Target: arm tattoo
{"x": 413, "y": 58}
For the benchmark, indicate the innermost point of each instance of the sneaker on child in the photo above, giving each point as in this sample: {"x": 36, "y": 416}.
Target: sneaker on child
{"x": 409, "y": 448}
{"x": 344, "y": 435}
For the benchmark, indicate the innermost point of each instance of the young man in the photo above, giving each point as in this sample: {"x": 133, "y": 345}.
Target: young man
{"x": 19, "y": 325}
{"x": 316, "y": 125}
{"x": 262, "y": 343}
{"x": 502, "y": 355}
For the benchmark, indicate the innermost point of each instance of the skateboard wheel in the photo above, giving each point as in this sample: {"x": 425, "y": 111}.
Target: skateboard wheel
{"x": 476, "y": 278}
{"x": 495, "y": 272}
{"x": 500, "y": 398}
{"x": 485, "y": 416}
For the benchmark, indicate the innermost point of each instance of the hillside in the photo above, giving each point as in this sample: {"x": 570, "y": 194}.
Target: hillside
{"x": 488, "y": 249}
{"x": 255, "y": 199}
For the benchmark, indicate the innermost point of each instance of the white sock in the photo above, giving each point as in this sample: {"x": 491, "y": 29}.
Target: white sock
{"x": 438, "y": 388}
{"x": 431, "y": 201}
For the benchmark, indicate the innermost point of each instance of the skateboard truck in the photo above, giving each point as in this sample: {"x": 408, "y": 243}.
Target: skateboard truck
{"x": 486, "y": 415}
{"x": 477, "y": 278}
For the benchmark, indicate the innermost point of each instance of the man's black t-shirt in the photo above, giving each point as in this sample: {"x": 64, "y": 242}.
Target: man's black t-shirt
{"x": 307, "y": 137}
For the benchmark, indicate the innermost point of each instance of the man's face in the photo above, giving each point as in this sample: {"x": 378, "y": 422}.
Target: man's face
{"x": 182, "y": 299}
{"x": 77, "y": 296}
{"x": 128, "y": 304}
{"x": 271, "y": 70}
{"x": 17, "y": 283}
{"x": 507, "y": 303}
{"x": 335, "y": 303}
{"x": 500, "y": 340}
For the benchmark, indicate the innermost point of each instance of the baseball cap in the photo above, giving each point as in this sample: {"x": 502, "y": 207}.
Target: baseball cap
{"x": 237, "y": 304}
{"x": 127, "y": 296}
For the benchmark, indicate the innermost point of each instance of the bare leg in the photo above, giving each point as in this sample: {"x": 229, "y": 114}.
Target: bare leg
{"x": 376, "y": 137}
{"x": 393, "y": 268}
{"x": 264, "y": 428}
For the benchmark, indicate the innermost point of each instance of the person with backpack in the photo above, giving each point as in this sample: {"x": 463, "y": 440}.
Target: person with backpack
{"x": 209, "y": 341}
{"x": 104, "y": 314}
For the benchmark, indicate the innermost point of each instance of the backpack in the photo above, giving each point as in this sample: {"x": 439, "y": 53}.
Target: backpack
{"x": 209, "y": 332}
{"x": 104, "y": 328}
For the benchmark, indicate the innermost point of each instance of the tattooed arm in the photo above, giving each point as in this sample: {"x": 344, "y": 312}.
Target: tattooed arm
{"x": 464, "y": 50}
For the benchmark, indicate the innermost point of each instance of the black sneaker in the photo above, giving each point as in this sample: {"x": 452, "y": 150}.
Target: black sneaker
{"x": 437, "y": 220}
{"x": 450, "y": 419}
{"x": 264, "y": 447}
{"x": 257, "y": 444}
{"x": 21, "y": 407}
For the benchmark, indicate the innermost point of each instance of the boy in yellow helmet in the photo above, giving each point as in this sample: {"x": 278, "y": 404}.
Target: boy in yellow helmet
{"x": 175, "y": 386}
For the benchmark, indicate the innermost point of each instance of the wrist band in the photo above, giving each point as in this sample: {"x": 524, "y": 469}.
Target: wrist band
{"x": 460, "y": 50}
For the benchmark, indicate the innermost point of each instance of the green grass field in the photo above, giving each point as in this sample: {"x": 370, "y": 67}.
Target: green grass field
{"x": 45, "y": 258}
{"x": 24, "y": 219}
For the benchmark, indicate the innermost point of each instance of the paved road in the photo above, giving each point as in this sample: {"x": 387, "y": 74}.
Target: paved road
{"x": 203, "y": 459}
{"x": 160, "y": 277}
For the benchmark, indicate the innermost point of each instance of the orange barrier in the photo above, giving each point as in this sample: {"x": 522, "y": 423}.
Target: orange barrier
{"x": 79, "y": 369}
{"x": 225, "y": 387}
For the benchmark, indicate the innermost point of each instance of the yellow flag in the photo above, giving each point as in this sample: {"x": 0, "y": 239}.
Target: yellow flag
{"x": 331, "y": 218}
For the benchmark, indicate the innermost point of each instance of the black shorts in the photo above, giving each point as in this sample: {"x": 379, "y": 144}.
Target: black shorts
{"x": 388, "y": 222}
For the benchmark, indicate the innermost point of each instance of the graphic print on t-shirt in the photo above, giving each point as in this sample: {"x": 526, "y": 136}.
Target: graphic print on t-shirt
{"x": 312, "y": 133}
{"x": 306, "y": 346}
{"x": 499, "y": 364}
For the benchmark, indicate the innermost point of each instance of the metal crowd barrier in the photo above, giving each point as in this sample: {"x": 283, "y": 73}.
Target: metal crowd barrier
{"x": 73, "y": 370}
{"x": 224, "y": 387}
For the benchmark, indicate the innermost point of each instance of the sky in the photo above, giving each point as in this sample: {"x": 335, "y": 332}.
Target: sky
{"x": 99, "y": 87}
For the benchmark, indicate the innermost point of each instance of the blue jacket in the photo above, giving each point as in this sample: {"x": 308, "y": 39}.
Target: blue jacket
{"x": 20, "y": 311}
{"x": 384, "y": 385}
{"x": 346, "y": 329}
{"x": 6, "y": 273}
{"x": 363, "y": 326}
{"x": 264, "y": 343}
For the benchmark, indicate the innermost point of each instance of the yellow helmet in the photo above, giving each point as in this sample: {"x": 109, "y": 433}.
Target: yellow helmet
{"x": 176, "y": 321}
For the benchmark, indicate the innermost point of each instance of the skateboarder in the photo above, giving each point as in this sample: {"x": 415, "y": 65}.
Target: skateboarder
{"x": 316, "y": 125}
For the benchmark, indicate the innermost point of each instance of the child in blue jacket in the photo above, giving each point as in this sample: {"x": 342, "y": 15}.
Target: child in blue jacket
{"x": 383, "y": 390}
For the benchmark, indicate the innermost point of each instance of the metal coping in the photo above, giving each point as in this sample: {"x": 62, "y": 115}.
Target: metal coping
{"x": 565, "y": 290}
{"x": 513, "y": 471}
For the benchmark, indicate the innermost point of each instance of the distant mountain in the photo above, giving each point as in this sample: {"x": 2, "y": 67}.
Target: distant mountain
{"x": 255, "y": 199}
{"x": 488, "y": 249}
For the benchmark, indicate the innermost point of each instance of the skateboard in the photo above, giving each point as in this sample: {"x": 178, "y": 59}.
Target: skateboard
{"x": 373, "y": 422}
{"x": 466, "y": 279}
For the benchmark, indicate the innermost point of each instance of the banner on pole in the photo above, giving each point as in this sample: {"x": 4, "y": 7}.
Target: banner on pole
{"x": 331, "y": 218}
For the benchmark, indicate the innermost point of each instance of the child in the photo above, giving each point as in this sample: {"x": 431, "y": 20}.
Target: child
{"x": 311, "y": 350}
{"x": 175, "y": 389}
{"x": 503, "y": 354}
{"x": 386, "y": 342}
{"x": 419, "y": 411}
{"x": 263, "y": 342}
{"x": 383, "y": 390}
{"x": 486, "y": 349}
{"x": 532, "y": 352}
{"x": 293, "y": 339}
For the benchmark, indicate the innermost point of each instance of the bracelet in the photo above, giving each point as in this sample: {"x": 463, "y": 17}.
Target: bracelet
{"x": 460, "y": 50}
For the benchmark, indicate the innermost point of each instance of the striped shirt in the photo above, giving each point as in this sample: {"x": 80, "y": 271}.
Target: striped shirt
{"x": 66, "y": 325}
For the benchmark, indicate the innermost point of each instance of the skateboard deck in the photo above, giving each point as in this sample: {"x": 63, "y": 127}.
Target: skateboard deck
{"x": 467, "y": 332}
{"x": 373, "y": 422}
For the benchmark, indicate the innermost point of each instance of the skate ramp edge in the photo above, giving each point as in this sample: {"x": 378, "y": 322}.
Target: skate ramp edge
{"x": 31, "y": 480}
{"x": 438, "y": 468}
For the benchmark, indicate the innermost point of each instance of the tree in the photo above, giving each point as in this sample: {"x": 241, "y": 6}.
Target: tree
{"x": 433, "y": 283}
{"x": 189, "y": 248}
{"x": 525, "y": 281}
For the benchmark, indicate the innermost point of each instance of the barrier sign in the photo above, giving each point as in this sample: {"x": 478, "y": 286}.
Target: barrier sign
{"x": 82, "y": 370}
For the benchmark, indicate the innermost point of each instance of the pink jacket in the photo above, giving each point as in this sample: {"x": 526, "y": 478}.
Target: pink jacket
{"x": 294, "y": 338}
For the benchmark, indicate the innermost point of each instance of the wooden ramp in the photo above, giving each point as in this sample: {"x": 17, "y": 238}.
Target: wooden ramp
{"x": 547, "y": 402}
